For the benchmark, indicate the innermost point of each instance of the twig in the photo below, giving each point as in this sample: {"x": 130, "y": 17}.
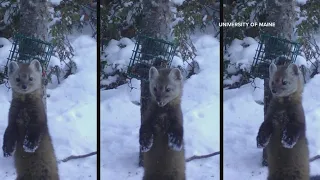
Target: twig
{"x": 201, "y": 157}
{"x": 78, "y": 157}
{"x": 314, "y": 158}
{"x": 217, "y": 34}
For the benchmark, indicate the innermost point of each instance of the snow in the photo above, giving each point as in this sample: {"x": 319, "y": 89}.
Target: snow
{"x": 120, "y": 118}
{"x": 72, "y": 117}
{"x": 55, "y": 2}
{"x": 173, "y": 143}
{"x": 4, "y": 42}
{"x": 240, "y": 130}
{"x": 119, "y": 52}
{"x": 243, "y": 117}
{"x": 301, "y": 2}
{"x": 243, "y": 51}
{"x": 286, "y": 141}
{"x": 4, "y": 52}
{"x": 9, "y": 13}
{"x": 54, "y": 61}
{"x": 27, "y": 144}
{"x": 177, "y": 2}
{"x": 301, "y": 61}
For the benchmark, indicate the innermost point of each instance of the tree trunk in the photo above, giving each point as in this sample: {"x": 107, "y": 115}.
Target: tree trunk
{"x": 34, "y": 17}
{"x": 267, "y": 97}
{"x": 281, "y": 12}
{"x": 155, "y": 23}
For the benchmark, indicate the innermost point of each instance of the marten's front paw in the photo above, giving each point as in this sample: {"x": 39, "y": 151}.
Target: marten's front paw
{"x": 290, "y": 137}
{"x": 31, "y": 143}
{"x": 175, "y": 138}
{"x": 145, "y": 139}
{"x": 9, "y": 141}
{"x": 8, "y": 147}
{"x": 264, "y": 135}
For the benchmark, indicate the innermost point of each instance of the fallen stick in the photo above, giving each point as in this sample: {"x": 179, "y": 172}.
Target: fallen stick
{"x": 314, "y": 158}
{"x": 78, "y": 157}
{"x": 201, "y": 157}
{"x": 93, "y": 153}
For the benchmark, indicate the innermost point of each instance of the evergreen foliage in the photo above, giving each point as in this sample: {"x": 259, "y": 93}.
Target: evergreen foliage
{"x": 65, "y": 18}
{"x": 307, "y": 28}
{"x": 123, "y": 18}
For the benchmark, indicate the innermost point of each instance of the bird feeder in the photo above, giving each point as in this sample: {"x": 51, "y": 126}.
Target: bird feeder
{"x": 25, "y": 49}
{"x": 150, "y": 52}
{"x": 276, "y": 47}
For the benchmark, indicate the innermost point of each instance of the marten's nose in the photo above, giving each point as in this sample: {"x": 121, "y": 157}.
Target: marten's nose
{"x": 273, "y": 91}
{"x": 23, "y": 86}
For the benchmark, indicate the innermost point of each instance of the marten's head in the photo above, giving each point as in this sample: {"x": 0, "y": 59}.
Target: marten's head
{"x": 25, "y": 78}
{"x": 165, "y": 85}
{"x": 285, "y": 80}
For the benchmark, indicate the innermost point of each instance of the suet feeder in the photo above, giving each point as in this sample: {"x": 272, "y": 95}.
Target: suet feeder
{"x": 276, "y": 47}
{"x": 150, "y": 52}
{"x": 25, "y": 49}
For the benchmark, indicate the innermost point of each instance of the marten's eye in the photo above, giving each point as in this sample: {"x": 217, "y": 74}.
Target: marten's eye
{"x": 155, "y": 89}
{"x": 18, "y": 79}
{"x": 30, "y": 78}
{"x": 168, "y": 89}
{"x": 284, "y": 82}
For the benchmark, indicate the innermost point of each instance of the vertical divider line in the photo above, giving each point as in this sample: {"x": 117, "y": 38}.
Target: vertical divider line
{"x": 98, "y": 87}
{"x": 221, "y": 90}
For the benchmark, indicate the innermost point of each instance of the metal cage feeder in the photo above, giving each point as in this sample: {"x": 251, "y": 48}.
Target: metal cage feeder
{"x": 25, "y": 49}
{"x": 150, "y": 52}
{"x": 276, "y": 47}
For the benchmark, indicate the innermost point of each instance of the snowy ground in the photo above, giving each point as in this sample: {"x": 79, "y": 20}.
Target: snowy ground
{"x": 72, "y": 115}
{"x": 243, "y": 116}
{"x": 120, "y": 119}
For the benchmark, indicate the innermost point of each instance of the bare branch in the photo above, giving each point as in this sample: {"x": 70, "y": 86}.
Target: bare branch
{"x": 202, "y": 157}
{"x": 78, "y": 157}
{"x": 314, "y": 158}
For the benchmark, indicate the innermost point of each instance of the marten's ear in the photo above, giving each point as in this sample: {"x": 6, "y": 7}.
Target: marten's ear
{"x": 175, "y": 74}
{"x": 153, "y": 73}
{"x": 272, "y": 69}
{"x": 35, "y": 65}
{"x": 12, "y": 67}
{"x": 293, "y": 69}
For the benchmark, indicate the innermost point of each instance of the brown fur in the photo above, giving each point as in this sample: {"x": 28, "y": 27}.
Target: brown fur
{"x": 27, "y": 116}
{"x": 287, "y": 163}
{"x": 161, "y": 162}
{"x": 41, "y": 164}
{"x": 286, "y": 113}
